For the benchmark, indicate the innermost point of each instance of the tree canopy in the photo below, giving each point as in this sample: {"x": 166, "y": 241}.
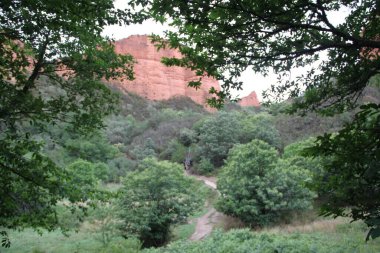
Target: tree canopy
{"x": 224, "y": 38}
{"x": 53, "y": 59}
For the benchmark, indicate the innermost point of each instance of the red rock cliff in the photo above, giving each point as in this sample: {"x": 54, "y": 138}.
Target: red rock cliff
{"x": 250, "y": 100}
{"x": 155, "y": 81}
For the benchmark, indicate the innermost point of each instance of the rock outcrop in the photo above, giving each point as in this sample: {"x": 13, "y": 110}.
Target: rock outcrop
{"x": 154, "y": 80}
{"x": 250, "y": 100}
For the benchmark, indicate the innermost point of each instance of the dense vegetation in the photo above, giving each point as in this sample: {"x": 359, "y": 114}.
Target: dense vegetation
{"x": 340, "y": 60}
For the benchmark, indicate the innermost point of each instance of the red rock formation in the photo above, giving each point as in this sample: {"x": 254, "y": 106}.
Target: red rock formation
{"x": 250, "y": 100}
{"x": 155, "y": 81}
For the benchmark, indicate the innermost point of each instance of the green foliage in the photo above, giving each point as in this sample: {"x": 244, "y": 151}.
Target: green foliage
{"x": 104, "y": 219}
{"x": 295, "y": 155}
{"x": 242, "y": 241}
{"x": 101, "y": 171}
{"x": 260, "y": 126}
{"x": 293, "y": 128}
{"x": 45, "y": 46}
{"x": 175, "y": 151}
{"x": 68, "y": 218}
{"x": 181, "y": 103}
{"x": 144, "y": 151}
{"x": 204, "y": 166}
{"x": 121, "y": 130}
{"x": 130, "y": 245}
{"x": 187, "y": 137}
{"x": 83, "y": 175}
{"x": 94, "y": 149}
{"x": 119, "y": 167}
{"x": 154, "y": 198}
{"x": 229, "y": 37}
{"x": 259, "y": 189}
{"x": 351, "y": 177}
{"x": 217, "y": 135}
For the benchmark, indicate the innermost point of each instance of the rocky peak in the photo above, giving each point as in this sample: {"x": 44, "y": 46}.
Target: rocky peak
{"x": 154, "y": 80}
{"x": 250, "y": 100}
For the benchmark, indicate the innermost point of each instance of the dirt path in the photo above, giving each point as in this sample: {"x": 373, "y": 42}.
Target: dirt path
{"x": 206, "y": 223}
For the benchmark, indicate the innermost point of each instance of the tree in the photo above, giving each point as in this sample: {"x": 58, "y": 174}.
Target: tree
{"x": 295, "y": 154}
{"x": 351, "y": 174}
{"x": 83, "y": 175}
{"x": 187, "y": 137}
{"x": 261, "y": 127}
{"x": 258, "y": 188}
{"x": 227, "y": 37}
{"x": 217, "y": 135}
{"x": 44, "y": 45}
{"x": 154, "y": 198}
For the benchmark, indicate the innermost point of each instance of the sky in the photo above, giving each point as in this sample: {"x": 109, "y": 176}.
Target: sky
{"x": 251, "y": 81}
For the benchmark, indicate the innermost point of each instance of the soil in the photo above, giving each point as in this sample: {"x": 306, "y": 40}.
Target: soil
{"x": 206, "y": 223}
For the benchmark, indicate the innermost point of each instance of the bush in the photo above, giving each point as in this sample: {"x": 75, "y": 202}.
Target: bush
{"x": 155, "y": 197}
{"x": 243, "y": 241}
{"x": 144, "y": 151}
{"x": 83, "y": 177}
{"x": 260, "y": 127}
{"x": 187, "y": 137}
{"x": 130, "y": 245}
{"x": 101, "y": 171}
{"x": 204, "y": 166}
{"x": 119, "y": 167}
{"x": 175, "y": 152}
{"x": 217, "y": 135}
{"x": 257, "y": 188}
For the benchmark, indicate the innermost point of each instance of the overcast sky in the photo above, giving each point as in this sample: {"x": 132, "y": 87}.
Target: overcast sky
{"x": 251, "y": 81}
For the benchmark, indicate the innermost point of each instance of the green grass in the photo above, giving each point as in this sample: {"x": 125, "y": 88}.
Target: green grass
{"x": 54, "y": 242}
{"x": 183, "y": 231}
{"x": 29, "y": 241}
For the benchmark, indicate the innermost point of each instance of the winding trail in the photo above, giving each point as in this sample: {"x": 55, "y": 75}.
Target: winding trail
{"x": 206, "y": 223}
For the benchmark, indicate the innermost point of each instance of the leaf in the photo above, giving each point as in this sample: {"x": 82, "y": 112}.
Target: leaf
{"x": 373, "y": 233}
{"x": 5, "y": 242}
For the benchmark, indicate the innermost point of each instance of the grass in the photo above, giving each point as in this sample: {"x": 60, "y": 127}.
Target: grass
{"x": 183, "y": 231}
{"x": 53, "y": 242}
{"x": 340, "y": 231}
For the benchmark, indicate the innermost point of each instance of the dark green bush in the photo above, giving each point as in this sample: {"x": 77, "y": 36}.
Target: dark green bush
{"x": 258, "y": 188}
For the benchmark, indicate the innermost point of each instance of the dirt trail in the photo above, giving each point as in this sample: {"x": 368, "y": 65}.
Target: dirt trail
{"x": 206, "y": 223}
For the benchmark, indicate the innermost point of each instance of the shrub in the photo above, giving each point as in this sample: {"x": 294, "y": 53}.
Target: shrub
{"x": 187, "y": 137}
{"x": 119, "y": 167}
{"x": 217, "y": 135}
{"x": 242, "y": 241}
{"x": 257, "y": 188}
{"x": 155, "y": 197}
{"x": 204, "y": 166}
{"x": 175, "y": 152}
{"x": 144, "y": 151}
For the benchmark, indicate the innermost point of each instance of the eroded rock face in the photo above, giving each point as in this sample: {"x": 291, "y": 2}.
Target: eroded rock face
{"x": 250, "y": 100}
{"x": 155, "y": 81}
